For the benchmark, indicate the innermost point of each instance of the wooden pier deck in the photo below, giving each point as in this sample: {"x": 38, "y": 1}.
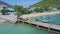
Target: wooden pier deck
{"x": 45, "y": 25}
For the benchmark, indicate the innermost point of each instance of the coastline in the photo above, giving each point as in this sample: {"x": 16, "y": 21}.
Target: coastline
{"x": 12, "y": 18}
{"x": 38, "y": 14}
{"x": 34, "y": 15}
{"x": 2, "y": 21}
{"x": 51, "y": 26}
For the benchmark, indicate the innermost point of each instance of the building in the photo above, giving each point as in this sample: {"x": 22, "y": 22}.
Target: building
{"x": 3, "y": 4}
{"x": 6, "y": 5}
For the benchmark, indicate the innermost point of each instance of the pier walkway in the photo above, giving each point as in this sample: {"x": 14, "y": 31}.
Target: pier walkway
{"x": 45, "y": 25}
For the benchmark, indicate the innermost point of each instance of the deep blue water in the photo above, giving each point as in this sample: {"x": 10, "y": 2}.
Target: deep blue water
{"x": 52, "y": 19}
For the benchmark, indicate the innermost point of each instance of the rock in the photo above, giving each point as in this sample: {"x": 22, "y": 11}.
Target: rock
{"x": 2, "y": 21}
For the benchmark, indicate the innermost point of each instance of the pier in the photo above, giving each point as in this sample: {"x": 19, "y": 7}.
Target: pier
{"x": 55, "y": 28}
{"x": 47, "y": 26}
{"x": 38, "y": 24}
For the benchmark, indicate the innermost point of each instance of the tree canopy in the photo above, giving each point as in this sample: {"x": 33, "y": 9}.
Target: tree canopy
{"x": 21, "y": 10}
{"x": 38, "y": 9}
{"x": 18, "y": 9}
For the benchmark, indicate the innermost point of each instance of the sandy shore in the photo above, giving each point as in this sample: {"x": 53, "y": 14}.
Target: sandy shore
{"x": 38, "y": 14}
{"x": 13, "y": 18}
{"x": 2, "y": 21}
{"x": 10, "y": 18}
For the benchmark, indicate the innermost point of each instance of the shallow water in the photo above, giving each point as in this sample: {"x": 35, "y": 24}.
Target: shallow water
{"x": 52, "y": 19}
{"x": 21, "y": 29}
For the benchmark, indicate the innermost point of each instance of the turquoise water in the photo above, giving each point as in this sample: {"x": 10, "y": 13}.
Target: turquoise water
{"x": 21, "y": 29}
{"x": 52, "y": 19}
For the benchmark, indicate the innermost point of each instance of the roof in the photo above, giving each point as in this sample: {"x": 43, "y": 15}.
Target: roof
{"x": 1, "y": 2}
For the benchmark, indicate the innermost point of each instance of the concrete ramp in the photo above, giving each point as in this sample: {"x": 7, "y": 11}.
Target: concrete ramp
{"x": 10, "y": 18}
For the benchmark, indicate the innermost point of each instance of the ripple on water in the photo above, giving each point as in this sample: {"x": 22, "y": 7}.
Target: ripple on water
{"x": 52, "y": 19}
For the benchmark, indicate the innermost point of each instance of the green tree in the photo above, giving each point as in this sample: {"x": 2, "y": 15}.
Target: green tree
{"x": 20, "y": 10}
{"x": 26, "y": 11}
{"x": 4, "y": 11}
{"x": 58, "y": 7}
{"x": 38, "y": 9}
{"x": 46, "y": 8}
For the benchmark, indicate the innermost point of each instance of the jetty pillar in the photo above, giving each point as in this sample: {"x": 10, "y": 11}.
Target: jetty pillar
{"x": 49, "y": 28}
{"x": 38, "y": 26}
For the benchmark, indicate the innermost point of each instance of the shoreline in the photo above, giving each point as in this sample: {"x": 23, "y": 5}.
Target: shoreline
{"x": 37, "y": 23}
{"x": 51, "y": 26}
{"x": 38, "y": 14}
{"x": 12, "y": 18}
{"x": 2, "y": 21}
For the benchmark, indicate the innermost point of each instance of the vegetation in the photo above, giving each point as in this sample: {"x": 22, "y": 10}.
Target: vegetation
{"x": 4, "y": 11}
{"x": 26, "y": 11}
{"x": 38, "y": 9}
{"x": 50, "y": 3}
{"x": 20, "y": 10}
{"x": 58, "y": 7}
{"x": 46, "y": 8}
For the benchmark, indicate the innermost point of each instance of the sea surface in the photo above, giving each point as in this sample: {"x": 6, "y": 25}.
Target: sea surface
{"x": 51, "y": 19}
{"x": 8, "y": 28}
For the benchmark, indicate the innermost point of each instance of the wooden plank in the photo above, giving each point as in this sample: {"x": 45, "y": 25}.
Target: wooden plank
{"x": 45, "y": 24}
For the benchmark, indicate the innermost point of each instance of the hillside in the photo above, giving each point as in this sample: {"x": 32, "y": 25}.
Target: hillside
{"x": 53, "y": 3}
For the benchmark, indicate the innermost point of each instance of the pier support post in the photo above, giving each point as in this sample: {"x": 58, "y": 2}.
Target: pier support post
{"x": 23, "y": 22}
{"x": 29, "y": 23}
{"x": 49, "y": 28}
{"x": 38, "y": 26}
